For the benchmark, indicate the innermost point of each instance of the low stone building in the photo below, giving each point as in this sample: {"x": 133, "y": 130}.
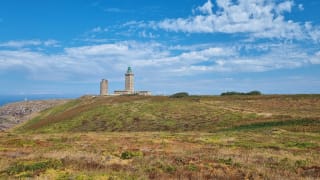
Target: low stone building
{"x": 144, "y": 93}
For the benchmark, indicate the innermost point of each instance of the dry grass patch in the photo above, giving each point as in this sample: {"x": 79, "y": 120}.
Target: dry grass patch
{"x": 164, "y": 155}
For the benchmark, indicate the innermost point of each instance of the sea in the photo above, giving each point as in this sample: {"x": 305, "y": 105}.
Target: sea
{"x": 5, "y": 99}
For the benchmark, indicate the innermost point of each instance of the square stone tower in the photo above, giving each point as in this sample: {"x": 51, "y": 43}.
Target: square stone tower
{"x": 129, "y": 84}
{"x": 103, "y": 87}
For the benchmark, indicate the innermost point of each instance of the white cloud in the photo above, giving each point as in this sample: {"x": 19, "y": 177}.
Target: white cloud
{"x": 99, "y": 29}
{"x": 300, "y": 6}
{"x": 125, "y": 49}
{"x": 229, "y": 59}
{"x": 284, "y": 7}
{"x": 206, "y": 8}
{"x": 258, "y": 18}
{"x": 28, "y": 43}
{"x": 96, "y": 29}
{"x": 206, "y": 54}
{"x": 97, "y": 50}
{"x": 117, "y": 10}
{"x": 51, "y": 42}
{"x": 40, "y": 66}
{"x": 19, "y": 44}
{"x": 136, "y": 24}
{"x": 146, "y": 34}
{"x": 316, "y": 58}
{"x": 313, "y": 32}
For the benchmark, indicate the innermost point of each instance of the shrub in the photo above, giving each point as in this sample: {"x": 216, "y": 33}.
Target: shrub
{"x": 301, "y": 163}
{"x": 130, "y": 154}
{"x": 192, "y": 167}
{"x": 179, "y": 95}
{"x": 254, "y": 93}
{"x": 226, "y": 161}
{"x": 229, "y": 93}
{"x": 169, "y": 169}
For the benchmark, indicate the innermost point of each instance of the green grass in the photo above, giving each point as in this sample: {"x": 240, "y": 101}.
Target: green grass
{"x": 134, "y": 113}
{"x": 283, "y": 124}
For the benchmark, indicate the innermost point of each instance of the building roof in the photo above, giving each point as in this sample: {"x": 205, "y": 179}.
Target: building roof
{"x": 129, "y": 71}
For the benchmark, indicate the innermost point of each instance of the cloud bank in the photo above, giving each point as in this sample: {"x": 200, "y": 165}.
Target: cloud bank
{"x": 95, "y": 61}
{"x": 256, "y": 18}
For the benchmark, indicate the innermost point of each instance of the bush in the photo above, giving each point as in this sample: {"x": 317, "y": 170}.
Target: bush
{"x": 254, "y": 93}
{"x": 130, "y": 154}
{"x": 230, "y": 93}
{"x": 179, "y": 95}
{"x": 226, "y": 161}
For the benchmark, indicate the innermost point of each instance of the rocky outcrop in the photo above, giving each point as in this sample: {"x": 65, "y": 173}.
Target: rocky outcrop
{"x": 15, "y": 113}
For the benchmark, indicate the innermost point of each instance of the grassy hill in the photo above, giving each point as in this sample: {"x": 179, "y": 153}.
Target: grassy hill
{"x": 208, "y": 114}
{"x": 135, "y": 137}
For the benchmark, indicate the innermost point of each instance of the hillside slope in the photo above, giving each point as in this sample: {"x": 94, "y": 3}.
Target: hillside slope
{"x": 15, "y": 113}
{"x": 209, "y": 114}
{"x": 134, "y": 137}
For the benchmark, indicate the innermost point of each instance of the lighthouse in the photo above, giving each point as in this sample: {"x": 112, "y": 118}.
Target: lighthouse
{"x": 129, "y": 84}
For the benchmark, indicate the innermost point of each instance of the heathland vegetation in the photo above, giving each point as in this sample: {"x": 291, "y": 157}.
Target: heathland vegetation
{"x": 190, "y": 137}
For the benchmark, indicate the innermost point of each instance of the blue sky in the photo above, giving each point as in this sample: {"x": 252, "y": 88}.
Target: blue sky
{"x": 198, "y": 46}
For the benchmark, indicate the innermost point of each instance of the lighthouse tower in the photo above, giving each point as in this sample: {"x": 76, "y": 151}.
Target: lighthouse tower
{"x": 104, "y": 87}
{"x": 129, "y": 85}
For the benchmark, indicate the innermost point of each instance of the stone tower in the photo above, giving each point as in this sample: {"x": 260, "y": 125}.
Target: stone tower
{"x": 103, "y": 87}
{"x": 129, "y": 86}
